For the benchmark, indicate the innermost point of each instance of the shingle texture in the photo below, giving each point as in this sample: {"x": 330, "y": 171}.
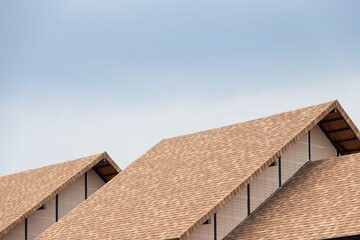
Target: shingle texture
{"x": 179, "y": 183}
{"x": 321, "y": 201}
{"x": 23, "y": 193}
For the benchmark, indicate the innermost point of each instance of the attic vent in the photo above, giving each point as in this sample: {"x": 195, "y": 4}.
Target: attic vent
{"x": 42, "y": 207}
{"x": 273, "y": 164}
{"x": 207, "y": 222}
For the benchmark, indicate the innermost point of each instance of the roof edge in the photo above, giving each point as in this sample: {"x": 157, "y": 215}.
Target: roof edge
{"x": 347, "y": 119}
{"x": 255, "y": 119}
{"x": 91, "y": 164}
{"x": 332, "y": 105}
{"x": 345, "y": 237}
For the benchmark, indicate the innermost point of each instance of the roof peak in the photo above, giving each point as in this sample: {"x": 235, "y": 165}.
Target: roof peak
{"x": 256, "y": 119}
{"x": 54, "y": 164}
{"x": 39, "y": 185}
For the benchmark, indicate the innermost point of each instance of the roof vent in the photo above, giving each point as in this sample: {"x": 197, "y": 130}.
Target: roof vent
{"x": 42, "y": 207}
{"x": 207, "y": 222}
{"x": 273, "y": 164}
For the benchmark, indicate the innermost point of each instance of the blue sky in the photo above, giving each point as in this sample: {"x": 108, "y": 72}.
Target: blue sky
{"x": 82, "y": 77}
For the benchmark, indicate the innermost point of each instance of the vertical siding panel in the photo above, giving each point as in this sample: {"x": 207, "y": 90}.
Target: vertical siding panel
{"x": 71, "y": 196}
{"x": 17, "y": 233}
{"x": 294, "y": 158}
{"x": 321, "y": 147}
{"x": 231, "y": 214}
{"x": 204, "y": 232}
{"x": 40, "y": 220}
{"x": 94, "y": 182}
{"x": 263, "y": 186}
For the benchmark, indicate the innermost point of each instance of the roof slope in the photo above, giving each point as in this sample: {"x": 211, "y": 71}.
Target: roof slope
{"x": 181, "y": 182}
{"x": 321, "y": 201}
{"x": 23, "y": 193}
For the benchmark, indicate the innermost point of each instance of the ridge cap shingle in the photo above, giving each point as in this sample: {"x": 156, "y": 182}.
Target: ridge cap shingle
{"x": 247, "y": 121}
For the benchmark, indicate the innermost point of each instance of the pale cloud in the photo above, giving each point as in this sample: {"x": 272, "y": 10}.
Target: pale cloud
{"x": 38, "y": 135}
{"x": 78, "y": 78}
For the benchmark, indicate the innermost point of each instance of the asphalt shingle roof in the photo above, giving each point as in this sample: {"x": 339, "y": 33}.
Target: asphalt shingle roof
{"x": 181, "y": 182}
{"x": 321, "y": 201}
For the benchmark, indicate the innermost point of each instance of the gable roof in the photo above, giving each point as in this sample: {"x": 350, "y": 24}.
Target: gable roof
{"x": 321, "y": 201}
{"x": 24, "y": 192}
{"x": 182, "y": 181}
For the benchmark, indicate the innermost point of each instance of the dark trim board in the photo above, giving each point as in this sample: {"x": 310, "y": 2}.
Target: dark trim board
{"x": 309, "y": 145}
{"x": 215, "y": 227}
{"x": 26, "y": 228}
{"x": 57, "y": 208}
{"x": 248, "y": 199}
{"x": 86, "y": 193}
{"x": 279, "y": 171}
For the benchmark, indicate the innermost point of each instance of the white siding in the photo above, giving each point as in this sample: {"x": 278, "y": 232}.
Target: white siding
{"x": 294, "y": 158}
{"x": 16, "y": 233}
{"x": 263, "y": 186}
{"x": 68, "y": 199}
{"x": 205, "y": 232}
{"x": 321, "y": 147}
{"x": 40, "y": 220}
{"x": 94, "y": 182}
{"x": 71, "y": 196}
{"x": 229, "y": 216}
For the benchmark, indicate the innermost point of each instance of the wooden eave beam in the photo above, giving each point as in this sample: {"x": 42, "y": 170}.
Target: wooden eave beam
{"x": 332, "y": 120}
{"x": 102, "y": 166}
{"x": 339, "y": 130}
{"x": 337, "y": 145}
{"x": 109, "y": 174}
{"x": 347, "y": 140}
{"x": 353, "y": 150}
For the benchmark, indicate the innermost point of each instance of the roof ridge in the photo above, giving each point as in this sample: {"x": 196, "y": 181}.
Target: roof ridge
{"x": 51, "y": 165}
{"x": 256, "y": 119}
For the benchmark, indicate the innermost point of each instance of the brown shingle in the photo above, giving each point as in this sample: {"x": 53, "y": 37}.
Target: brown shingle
{"x": 321, "y": 201}
{"x": 179, "y": 183}
{"x": 23, "y": 193}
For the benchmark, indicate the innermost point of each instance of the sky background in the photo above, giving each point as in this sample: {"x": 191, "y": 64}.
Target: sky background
{"x": 82, "y": 77}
